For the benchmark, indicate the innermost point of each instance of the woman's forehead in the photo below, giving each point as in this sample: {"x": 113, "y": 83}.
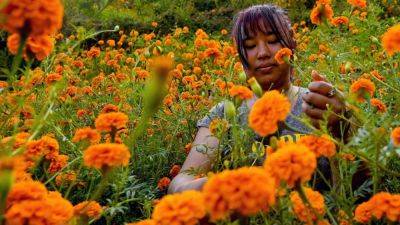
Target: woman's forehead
{"x": 252, "y": 28}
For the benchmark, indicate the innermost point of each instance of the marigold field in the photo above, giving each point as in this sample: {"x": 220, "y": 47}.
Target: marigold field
{"x": 96, "y": 119}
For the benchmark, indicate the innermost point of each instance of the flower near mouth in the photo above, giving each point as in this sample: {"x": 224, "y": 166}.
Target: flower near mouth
{"x": 283, "y": 55}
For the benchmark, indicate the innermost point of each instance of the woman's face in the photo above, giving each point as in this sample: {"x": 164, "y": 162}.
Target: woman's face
{"x": 261, "y": 49}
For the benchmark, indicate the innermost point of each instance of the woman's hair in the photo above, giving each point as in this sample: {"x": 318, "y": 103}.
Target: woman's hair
{"x": 258, "y": 18}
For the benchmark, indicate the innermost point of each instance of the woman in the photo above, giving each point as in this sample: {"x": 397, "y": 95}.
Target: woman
{"x": 259, "y": 33}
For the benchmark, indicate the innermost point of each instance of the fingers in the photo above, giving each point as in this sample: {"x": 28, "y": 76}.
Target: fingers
{"x": 320, "y": 87}
{"x": 312, "y": 112}
{"x": 316, "y": 76}
{"x": 321, "y": 101}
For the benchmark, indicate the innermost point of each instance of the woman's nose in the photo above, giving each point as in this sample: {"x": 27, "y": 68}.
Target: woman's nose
{"x": 263, "y": 51}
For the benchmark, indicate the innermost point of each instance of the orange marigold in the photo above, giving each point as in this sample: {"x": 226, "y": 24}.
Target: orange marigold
{"x": 143, "y": 222}
{"x": 378, "y": 104}
{"x": 267, "y": 111}
{"x": 282, "y": 55}
{"x": 241, "y": 92}
{"x": 358, "y": 3}
{"x": 363, "y": 212}
{"x": 174, "y": 170}
{"x": 391, "y": 40}
{"x": 321, "y": 11}
{"x": 185, "y": 208}
{"x": 247, "y": 191}
{"x": 163, "y": 183}
{"x": 38, "y": 46}
{"x": 111, "y": 121}
{"x": 321, "y": 146}
{"x": 102, "y": 156}
{"x": 94, "y": 52}
{"x": 109, "y": 108}
{"x": 46, "y": 145}
{"x": 26, "y": 190}
{"x": 65, "y": 178}
{"x": 57, "y": 163}
{"x": 361, "y": 87}
{"x": 91, "y": 209}
{"x": 291, "y": 163}
{"x": 52, "y": 78}
{"x": 340, "y": 20}
{"x": 395, "y": 135}
{"x": 39, "y": 17}
{"x": 52, "y": 210}
{"x": 87, "y": 133}
{"x": 303, "y": 212}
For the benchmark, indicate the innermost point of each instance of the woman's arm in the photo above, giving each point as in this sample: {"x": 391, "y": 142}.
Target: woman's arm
{"x": 196, "y": 160}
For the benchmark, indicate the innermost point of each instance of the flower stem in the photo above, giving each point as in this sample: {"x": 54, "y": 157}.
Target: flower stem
{"x": 18, "y": 58}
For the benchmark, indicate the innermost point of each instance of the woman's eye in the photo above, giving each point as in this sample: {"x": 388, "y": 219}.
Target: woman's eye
{"x": 249, "y": 46}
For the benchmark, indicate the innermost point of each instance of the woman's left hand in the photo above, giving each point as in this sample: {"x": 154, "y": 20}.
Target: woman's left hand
{"x": 322, "y": 95}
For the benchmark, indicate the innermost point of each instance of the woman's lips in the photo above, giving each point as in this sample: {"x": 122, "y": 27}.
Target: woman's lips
{"x": 266, "y": 69}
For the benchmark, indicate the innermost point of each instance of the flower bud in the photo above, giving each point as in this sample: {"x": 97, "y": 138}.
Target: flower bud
{"x": 255, "y": 87}
{"x": 230, "y": 110}
{"x": 242, "y": 77}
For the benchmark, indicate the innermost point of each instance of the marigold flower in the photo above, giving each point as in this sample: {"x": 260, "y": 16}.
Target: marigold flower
{"x": 143, "y": 222}
{"x": 185, "y": 208}
{"x": 218, "y": 126}
{"x": 283, "y": 54}
{"x": 363, "y": 212}
{"x": 291, "y": 163}
{"x": 91, "y": 209}
{"x": 94, "y": 52}
{"x": 26, "y": 190}
{"x": 303, "y": 212}
{"x": 163, "y": 183}
{"x": 361, "y": 87}
{"x": 109, "y": 108}
{"x": 340, "y": 20}
{"x": 111, "y": 121}
{"x": 358, "y": 3}
{"x": 38, "y": 46}
{"x": 267, "y": 111}
{"x": 321, "y": 11}
{"x": 36, "y": 18}
{"x": 65, "y": 178}
{"x": 391, "y": 40}
{"x": 46, "y": 145}
{"x": 395, "y": 135}
{"x": 57, "y": 163}
{"x": 378, "y": 104}
{"x": 52, "y": 78}
{"x": 87, "y": 133}
{"x": 174, "y": 170}
{"x": 241, "y": 92}
{"x": 247, "y": 191}
{"x": 102, "y": 156}
{"x": 52, "y": 210}
{"x": 321, "y": 146}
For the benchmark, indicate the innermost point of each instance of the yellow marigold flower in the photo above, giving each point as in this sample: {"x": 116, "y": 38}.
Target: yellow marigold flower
{"x": 321, "y": 11}
{"x": 291, "y": 163}
{"x": 26, "y": 190}
{"x": 247, "y": 191}
{"x": 241, "y": 92}
{"x": 87, "y": 133}
{"x": 303, "y": 212}
{"x": 361, "y": 87}
{"x": 39, "y": 17}
{"x": 391, "y": 40}
{"x": 282, "y": 54}
{"x": 321, "y": 146}
{"x": 143, "y": 222}
{"x": 395, "y": 135}
{"x": 106, "y": 155}
{"x": 91, "y": 209}
{"x": 267, "y": 111}
{"x": 185, "y": 208}
{"x": 358, "y": 3}
{"x": 218, "y": 126}
{"x": 112, "y": 121}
